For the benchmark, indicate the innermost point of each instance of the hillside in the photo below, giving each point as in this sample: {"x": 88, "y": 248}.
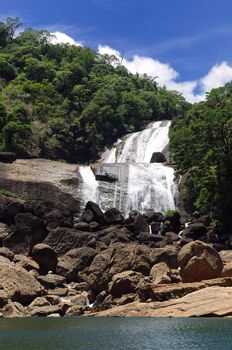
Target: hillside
{"x": 69, "y": 102}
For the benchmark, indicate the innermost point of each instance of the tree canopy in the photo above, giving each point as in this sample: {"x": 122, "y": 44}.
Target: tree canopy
{"x": 68, "y": 102}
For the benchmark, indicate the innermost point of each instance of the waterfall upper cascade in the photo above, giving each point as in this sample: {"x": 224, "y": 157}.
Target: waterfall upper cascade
{"x": 134, "y": 183}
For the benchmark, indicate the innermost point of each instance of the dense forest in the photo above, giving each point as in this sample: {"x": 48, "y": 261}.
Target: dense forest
{"x": 201, "y": 144}
{"x": 69, "y": 102}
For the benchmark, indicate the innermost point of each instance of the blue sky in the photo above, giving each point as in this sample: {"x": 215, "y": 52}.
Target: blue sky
{"x": 187, "y": 43}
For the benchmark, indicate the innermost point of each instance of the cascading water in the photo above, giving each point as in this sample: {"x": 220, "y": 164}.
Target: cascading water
{"x": 90, "y": 187}
{"x": 139, "y": 184}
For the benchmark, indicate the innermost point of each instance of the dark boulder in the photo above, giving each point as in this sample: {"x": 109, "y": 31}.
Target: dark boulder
{"x": 75, "y": 261}
{"x": 7, "y": 157}
{"x": 113, "y": 216}
{"x": 152, "y": 216}
{"x": 158, "y": 157}
{"x": 194, "y": 231}
{"x": 45, "y": 256}
{"x": 63, "y": 239}
{"x": 98, "y": 214}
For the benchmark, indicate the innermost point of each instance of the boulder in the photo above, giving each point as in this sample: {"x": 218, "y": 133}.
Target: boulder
{"x": 7, "y": 157}
{"x": 156, "y": 227}
{"x": 8, "y": 213}
{"x": 26, "y": 262}
{"x": 75, "y": 261}
{"x": 161, "y": 273}
{"x": 199, "y": 261}
{"x": 227, "y": 270}
{"x": 117, "y": 258}
{"x": 63, "y": 239}
{"x": 18, "y": 284}
{"x": 98, "y": 214}
{"x": 124, "y": 283}
{"x": 136, "y": 222}
{"x": 44, "y": 306}
{"x": 194, "y": 231}
{"x": 7, "y": 253}
{"x": 113, "y": 216}
{"x": 167, "y": 255}
{"x": 45, "y": 256}
{"x": 14, "y": 309}
{"x": 152, "y": 216}
{"x": 29, "y": 230}
{"x": 158, "y": 157}
{"x": 226, "y": 256}
{"x": 51, "y": 281}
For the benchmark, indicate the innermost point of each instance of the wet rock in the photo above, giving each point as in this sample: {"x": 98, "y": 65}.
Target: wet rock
{"x": 82, "y": 226}
{"x": 8, "y": 213}
{"x": 199, "y": 261}
{"x": 45, "y": 256}
{"x": 4, "y": 232}
{"x": 136, "y": 222}
{"x": 158, "y": 157}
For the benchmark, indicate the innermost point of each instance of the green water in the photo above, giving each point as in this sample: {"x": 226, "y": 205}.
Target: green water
{"x": 115, "y": 334}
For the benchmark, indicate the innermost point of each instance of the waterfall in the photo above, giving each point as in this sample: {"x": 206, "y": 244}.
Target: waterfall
{"x": 90, "y": 187}
{"x": 139, "y": 184}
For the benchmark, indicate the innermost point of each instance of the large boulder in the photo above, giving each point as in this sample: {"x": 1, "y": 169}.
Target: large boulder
{"x": 117, "y": 258}
{"x": 167, "y": 255}
{"x": 194, "y": 231}
{"x": 199, "y": 261}
{"x": 113, "y": 216}
{"x": 7, "y": 157}
{"x": 63, "y": 239}
{"x": 124, "y": 283}
{"x": 136, "y": 222}
{"x": 29, "y": 230}
{"x": 158, "y": 157}
{"x": 45, "y": 256}
{"x": 75, "y": 261}
{"x": 18, "y": 284}
{"x": 93, "y": 212}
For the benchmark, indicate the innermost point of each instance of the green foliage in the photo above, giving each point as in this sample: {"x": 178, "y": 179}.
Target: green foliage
{"x": 172, "y": 216}
{"x": 68, "y": 102}
{"x": 201, "y": 143}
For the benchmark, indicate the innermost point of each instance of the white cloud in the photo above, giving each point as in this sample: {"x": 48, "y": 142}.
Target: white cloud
{"x": 218, "y": 76}
{"x": 62, "y": 38}
{"x": 164, "y": 73}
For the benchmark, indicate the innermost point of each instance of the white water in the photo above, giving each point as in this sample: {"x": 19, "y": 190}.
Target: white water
{"x": 90, "y": 189}
{"x": 140, "y": 184}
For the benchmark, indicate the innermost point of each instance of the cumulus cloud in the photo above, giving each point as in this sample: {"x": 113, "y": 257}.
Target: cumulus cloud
{"x": 164, "y": 73}
{"x": 62, "y": 38}
{"x": 219, "y": 75}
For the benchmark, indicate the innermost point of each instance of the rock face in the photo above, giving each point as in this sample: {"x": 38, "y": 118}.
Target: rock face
{"x": 43, "y": 179}
{"x": 213, "y": 301}
{"x": 124, "y": 283}
{"x": 199, "y": 261}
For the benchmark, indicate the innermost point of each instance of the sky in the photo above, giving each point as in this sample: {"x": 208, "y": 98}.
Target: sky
{"x": 184, "y": 44}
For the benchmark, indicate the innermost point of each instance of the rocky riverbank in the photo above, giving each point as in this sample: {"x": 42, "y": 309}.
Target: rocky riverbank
{"x": 102, "y": 264}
